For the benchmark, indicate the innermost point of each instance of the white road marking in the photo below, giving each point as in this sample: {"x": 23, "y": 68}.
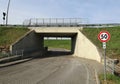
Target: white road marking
{"x": 88, "y": 75}
{"x": 96, "y": 76}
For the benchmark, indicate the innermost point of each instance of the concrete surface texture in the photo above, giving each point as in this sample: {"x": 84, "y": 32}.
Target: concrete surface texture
{"x": 52, "y": 70}
{"x": 81, "y": 46}
{"x": 28, "y": 43}
{"x": 85, "y": 48}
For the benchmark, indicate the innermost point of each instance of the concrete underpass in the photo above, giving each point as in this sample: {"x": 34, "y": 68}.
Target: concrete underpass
{"x": 34, "y": 41}
{"x": 62, "y": 67}
{"x": 58, "y": 51}
{"x": 80, "y": 65}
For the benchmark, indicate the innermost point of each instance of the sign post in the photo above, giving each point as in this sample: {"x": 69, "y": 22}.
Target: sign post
{"x": 104, "y": 36}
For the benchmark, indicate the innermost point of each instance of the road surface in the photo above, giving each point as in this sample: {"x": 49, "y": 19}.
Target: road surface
{"x": 51, "y": 70}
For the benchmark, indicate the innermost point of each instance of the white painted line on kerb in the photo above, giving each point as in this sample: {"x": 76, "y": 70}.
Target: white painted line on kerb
{"x": 96, "y": 76}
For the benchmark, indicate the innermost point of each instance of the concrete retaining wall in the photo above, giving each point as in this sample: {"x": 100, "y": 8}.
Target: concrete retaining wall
{"x": 28, "y": 43}
{"x": 85, "y": 48}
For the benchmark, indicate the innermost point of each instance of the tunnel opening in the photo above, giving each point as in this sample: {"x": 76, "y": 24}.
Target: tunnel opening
{"x": 58, "y": 46}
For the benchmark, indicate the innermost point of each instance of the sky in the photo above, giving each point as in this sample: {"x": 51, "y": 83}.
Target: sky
{"x": 90, "y": 11}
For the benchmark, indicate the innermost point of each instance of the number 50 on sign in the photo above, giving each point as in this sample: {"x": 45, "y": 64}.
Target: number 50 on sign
{"x": 104, "y": 36}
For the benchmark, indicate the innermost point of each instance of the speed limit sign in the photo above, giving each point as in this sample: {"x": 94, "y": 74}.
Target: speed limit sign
{"x": 104, "y": 36}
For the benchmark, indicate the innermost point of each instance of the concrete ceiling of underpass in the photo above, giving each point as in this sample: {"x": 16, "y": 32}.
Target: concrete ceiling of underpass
{"x": 57, "y": 34}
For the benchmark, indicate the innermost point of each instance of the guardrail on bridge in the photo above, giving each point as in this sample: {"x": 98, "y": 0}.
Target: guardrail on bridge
{"x": 48, "y": 22}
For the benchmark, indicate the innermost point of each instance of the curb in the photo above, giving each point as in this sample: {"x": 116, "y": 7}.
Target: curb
{"x": 14, "y": 63}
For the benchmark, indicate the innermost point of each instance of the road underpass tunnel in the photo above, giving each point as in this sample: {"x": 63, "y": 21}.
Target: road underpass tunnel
{"x": 58, "y": 46}
{"x": 44, "y": 44}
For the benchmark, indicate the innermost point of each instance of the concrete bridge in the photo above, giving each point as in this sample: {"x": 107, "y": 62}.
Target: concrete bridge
{"x": 34, "y": 40}
{"x": 54, "y": 70}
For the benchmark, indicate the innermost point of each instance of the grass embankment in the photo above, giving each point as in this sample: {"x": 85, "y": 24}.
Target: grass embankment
{"x": 8, "y": 35}
{"x": 111, "y": 79}
{"x": 113, "y": 46}
{"x": 65, "y": 44}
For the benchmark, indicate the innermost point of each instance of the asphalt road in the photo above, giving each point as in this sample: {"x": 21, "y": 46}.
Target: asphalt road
{"x": 51, "y": 70}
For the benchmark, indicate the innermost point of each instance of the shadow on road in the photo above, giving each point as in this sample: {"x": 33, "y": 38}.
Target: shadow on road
{"x": 58, "y": 53}
{"x": 36, "y": 55}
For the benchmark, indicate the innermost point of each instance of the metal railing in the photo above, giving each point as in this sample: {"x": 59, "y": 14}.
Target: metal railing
{"x": 117, "y": 68}
{"x": 8, "y": 56}
{"x": 48, "y": 22}
{"x": 111, "y": 65}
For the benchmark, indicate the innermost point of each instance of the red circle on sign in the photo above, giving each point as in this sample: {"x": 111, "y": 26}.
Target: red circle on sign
{"x": 104, "y": 36}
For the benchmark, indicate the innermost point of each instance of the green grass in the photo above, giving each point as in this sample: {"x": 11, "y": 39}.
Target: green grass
{"x": 66, "y": 44}
{"x": 8, "y": 35}
{"x": 113, "y": 46}
{"x": 111, "y": 79}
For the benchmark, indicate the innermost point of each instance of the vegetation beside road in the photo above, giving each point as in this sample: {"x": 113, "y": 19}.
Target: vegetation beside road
{"x": 111, "y": 79}
{"x": 8, "y": 35}
{"x": 113, "y": 46}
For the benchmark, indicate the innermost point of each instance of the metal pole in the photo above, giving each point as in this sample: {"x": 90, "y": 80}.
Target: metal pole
{"x": 7, "y": 12}
{"x": 104, "y": 47}
{"x": 105, "y": 64}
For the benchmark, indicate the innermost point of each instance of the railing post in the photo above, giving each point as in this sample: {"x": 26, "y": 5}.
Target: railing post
{"x": 113, "y": 67}
{"x": 30, "y": 22}
{"x": 70, "y": 21}
{"x": 36, "y": 21}
{"x": 63, "y": 21}
{"x": 56, "y": 21}
{"x": 43, "y": 21}
{"x": 49, "y": 21}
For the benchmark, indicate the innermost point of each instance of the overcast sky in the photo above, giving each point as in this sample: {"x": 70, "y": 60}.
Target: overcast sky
{"x": 93, "y": 11}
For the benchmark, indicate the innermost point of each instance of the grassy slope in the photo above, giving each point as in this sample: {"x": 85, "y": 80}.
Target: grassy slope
{"x": 66, "y": 44}
{"x": 10, "y": 35}
{"x": 113, "y": 46}
{"x": 111, "y": 79}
